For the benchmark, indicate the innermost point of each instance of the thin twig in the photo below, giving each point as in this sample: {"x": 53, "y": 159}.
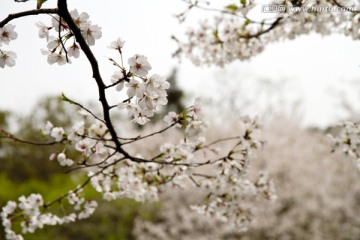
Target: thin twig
{"x": 87, "y": 110}
{"x": 233, "y": 13}
{"x": 61, "y": 41}
{"x": 146, "y": 136}
{"x": 13, "y": 16}
{"x": 12, "y": 137}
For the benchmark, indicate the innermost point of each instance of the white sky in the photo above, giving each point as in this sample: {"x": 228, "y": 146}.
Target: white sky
{"x": 311, "y": 64}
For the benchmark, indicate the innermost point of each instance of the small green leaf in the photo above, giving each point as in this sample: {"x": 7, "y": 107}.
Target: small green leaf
{"x": 40, "y": 3}
{"x": 247, "y": 22}
{"x": 66, "y": 99}
{"x": 232, "y": 7}
{"x": 243, "y": 2}
{"x": 216, "y": 33}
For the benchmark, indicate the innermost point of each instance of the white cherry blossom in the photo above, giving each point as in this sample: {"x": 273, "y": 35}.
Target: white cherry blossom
{"x": 7, "y": 58}
{"x": 172, "y": 118}
{"x": 80, "y": 20}
{"x": 139, "y": 65}
{"x": 7, "y": 34}
{"x": 118, "y": 44}
{"x": 118, "y": 77}
{"x": 60, "y": 59}
{"x": 63, "y": 160}
{"x": 135, "y": 88}
{"x": 74, "y": 51}
{"x": 43, "y": 30}
{"x": 90, "y": 33}
{"x": 55, "y": 22}
{"x": 57, "y": 133}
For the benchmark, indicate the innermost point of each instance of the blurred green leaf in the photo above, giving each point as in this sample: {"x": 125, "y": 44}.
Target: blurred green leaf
{"x": 66, "y": 99}
{"x": 232, "y": 7}
{"x": 247, "y": 22}
{"x": 40, "y": 3}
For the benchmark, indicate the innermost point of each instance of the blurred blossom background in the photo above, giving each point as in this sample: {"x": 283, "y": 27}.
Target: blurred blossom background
{"x": 300, "y": 89}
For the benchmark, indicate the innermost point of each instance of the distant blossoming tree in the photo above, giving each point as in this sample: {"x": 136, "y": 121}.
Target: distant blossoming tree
{"x": 242, "y": 29}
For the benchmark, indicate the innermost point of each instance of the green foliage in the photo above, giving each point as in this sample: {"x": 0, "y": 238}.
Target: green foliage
{"x": 232, "y": 7}
{"x": 40, "y": 3}
{"x": 112, "y": 220}
{"x": 247, "y": 22}
{"x": 22, "y": 162}
{"x": 66, "y": 99}
{"x": 3, "y": 119}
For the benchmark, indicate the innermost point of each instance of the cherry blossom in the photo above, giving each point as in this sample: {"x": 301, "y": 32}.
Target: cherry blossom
{"x": 64, "y": 161}
{"x": 90, "y": 33}
{"x": 7, "y": 34}
{"x": 80, "y": 19}
{"x": 55, "y": 23}
{"x": 43, "y": 30}
{"x": 58, "y": 58}
{"x": 139, "y": 65}
{"x": 135, "y": 88}
{"x": 57, "y": 133}
{"x": 172, "y": 118}
{"x": 118, "y": 77}
{"x": 74, "y": 51}
{"x": 117, "y": 45}
{"x": 7, "y": 58}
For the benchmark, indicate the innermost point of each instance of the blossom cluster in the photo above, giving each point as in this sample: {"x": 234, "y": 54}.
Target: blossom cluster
{"x": 89, "y": 142}
{"x": 348, "y": 141}
{"x": 33, "y": 210}
{"x": 145, "y": 93}
{"x": 62, "y": 44}
{"x": 235, "y": 36}
{"x": 7, "y": 34}
{"x": 227, "y": 185}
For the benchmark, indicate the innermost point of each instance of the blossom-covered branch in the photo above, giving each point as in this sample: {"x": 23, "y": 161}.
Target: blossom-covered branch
{"x": 231, "y": 35}
{"x": 113, "y": 166}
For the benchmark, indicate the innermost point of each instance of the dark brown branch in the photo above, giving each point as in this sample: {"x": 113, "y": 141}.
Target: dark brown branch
{"x": 13, "y": 16}
{"x": 64, "y": 13}
{"x": 258, "y": 34}
{"x": 222, "y": 140}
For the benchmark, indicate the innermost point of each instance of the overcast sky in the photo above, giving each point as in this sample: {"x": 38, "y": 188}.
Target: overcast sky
{"x": 317, "y": 68}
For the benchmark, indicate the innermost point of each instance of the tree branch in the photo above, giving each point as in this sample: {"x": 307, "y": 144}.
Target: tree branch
{"x": 64, "y": 13}
{"x": 131, "y": 140}
{"x": 13, "y": 16}
{"x": 12, "y": 137}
